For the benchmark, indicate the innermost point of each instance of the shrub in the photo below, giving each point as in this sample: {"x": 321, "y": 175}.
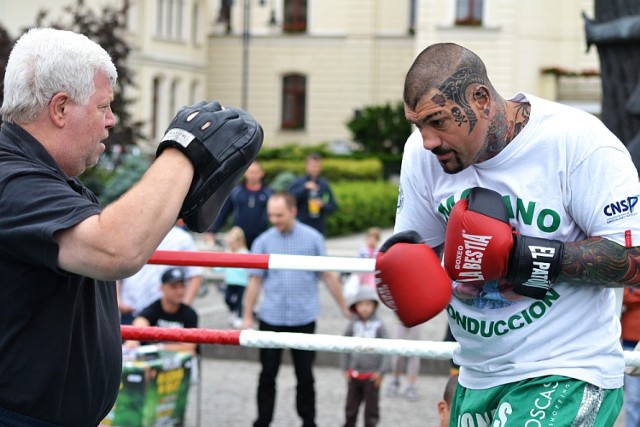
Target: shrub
{"x": 125, "y": 175}
{"x": 362, "y": 204}
{"x": 293, "y": 152}
{"x": 333, "y": 169}
{"x": 381, "y": 128}
{"x": 282, "y": 181}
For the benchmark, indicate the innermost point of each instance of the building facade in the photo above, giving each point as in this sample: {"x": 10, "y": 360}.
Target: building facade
{"x": 303, "y": 68}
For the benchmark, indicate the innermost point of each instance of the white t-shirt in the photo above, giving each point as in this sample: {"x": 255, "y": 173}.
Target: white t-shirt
{"x": 143, "y": 288}
{"x": 564, "y": 177}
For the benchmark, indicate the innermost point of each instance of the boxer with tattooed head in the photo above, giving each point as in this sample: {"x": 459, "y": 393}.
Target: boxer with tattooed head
{"x": 536, "y": 206}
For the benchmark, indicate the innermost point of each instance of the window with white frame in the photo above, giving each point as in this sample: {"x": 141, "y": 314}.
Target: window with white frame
{"x": 412, "y": 16}
{"x": 195, "y": 23}
{"x": 169, "y": 15}
{"x": 194, "y": 92}
{"x": 294, "y": 99}
{"x": 173, "y": 98}
{"x": 295, "y": 16}
{"x": 155, "y": 106}
{"x": 469, "y": 12}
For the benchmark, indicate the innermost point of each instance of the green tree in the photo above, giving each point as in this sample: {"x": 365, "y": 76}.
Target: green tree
{"x": 381, "y": 129}
{"x": 128, "y": 172}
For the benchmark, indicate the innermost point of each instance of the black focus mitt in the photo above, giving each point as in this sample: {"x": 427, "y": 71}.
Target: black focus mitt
{"x": 221, "y": 143}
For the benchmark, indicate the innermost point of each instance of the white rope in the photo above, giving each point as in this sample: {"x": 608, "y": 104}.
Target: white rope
{"x": 442, "y": 350}
{"x": 344, "y": 344}
{"x": 322, "y": 263}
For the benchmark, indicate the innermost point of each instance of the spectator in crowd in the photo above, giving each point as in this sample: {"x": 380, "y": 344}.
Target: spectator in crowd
{"x": 290, "y": 303}
{"x": 315, "y": 200}
{"x": 412, "y": 367}
{"x": 630, "y": 321}
{"x": 235, "y": 279}
{"x": 444, "y": 405}
{"x": 247, "y": 204}
{"x": 364, "y": 371}
{"x": 169, "y": 311}
{"x": 369, "y": 250}
{"x": 138, "y": 291}
{"x": 353, "y": 281}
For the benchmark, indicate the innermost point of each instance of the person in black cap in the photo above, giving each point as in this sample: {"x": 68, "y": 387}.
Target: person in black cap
{"x": 169, "y": 311}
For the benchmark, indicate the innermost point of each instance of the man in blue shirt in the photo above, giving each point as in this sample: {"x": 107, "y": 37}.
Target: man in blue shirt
{"x": 315, "y": 200}
{"x": 248, "y": 205}
{"x": 290, "y": 303}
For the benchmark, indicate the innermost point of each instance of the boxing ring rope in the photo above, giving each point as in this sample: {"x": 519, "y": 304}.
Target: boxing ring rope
{"x": 312, "y": 342}
{"x": 298, "y": 341}
{"x": 264, "y": 261}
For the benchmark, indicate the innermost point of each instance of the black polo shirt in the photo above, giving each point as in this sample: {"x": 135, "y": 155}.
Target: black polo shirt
{"x": 60, "y": 345}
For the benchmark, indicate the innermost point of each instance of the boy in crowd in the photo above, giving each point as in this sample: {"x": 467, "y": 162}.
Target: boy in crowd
{"x": 364, "y": 371}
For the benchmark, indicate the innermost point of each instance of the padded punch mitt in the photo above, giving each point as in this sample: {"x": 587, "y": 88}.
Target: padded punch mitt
{"x": 221, "y": 144}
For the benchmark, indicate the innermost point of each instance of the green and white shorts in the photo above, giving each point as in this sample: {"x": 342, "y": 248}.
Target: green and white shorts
{"x": 552, "y": 401}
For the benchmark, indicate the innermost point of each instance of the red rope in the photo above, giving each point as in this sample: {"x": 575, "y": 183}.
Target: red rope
{"x": 210, "y": 259}
{"x": 193, "y": 335}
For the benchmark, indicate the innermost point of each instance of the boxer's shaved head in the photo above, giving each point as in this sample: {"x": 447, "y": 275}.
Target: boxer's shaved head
{"x": 446, "y": 66}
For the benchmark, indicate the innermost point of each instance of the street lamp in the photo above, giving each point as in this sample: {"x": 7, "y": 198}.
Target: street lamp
{"x": 246, "y": 36}
{"x": 245, "y": 53}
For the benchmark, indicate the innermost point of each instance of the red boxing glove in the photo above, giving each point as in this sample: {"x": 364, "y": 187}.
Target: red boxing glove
{"x": 410, "y": 279}
{"x": 479, "y": 238}
{"x": 481, "y": 246}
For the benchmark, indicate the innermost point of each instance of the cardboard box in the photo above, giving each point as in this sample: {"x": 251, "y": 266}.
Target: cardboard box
{"x": 153, "y": 392}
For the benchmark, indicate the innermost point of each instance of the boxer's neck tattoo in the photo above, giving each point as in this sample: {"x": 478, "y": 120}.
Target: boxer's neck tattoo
{"x": 522, "y": 118}
{"x": 502, "y": 130}
{"x": 454, "y": 89}
{"x": 497, "y": 134}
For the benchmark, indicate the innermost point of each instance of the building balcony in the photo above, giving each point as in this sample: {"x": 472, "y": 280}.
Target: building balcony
{"x": 579, "y": 89}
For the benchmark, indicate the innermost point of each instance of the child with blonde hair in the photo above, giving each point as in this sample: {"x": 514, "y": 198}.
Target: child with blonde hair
{"x": 369, "y": 250}
{"x": 235, "y": 279}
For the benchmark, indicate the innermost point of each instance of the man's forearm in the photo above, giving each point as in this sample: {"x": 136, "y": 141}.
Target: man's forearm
{"x": 599, "y": 261}
{"x": 119, "y": 241}
{"x": 332, "y": 281}
{"x": 250, "y": 298}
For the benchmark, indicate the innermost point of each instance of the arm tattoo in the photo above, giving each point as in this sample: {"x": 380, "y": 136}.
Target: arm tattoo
{"x": 599, "y": 261}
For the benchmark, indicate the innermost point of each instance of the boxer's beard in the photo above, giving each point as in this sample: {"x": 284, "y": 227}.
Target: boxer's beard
{"x": 453, "y": 165}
